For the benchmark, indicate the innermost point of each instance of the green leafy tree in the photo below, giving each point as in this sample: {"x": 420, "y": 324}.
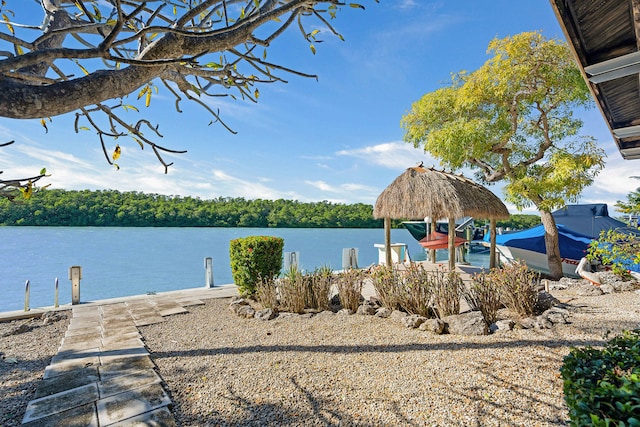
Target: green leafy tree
{"x": 512, "y": 120}
{"x": 100, "y": 59}
{"x": 632, "y": 205}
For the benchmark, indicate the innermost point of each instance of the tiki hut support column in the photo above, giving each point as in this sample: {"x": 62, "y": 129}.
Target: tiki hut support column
{"x": 492, "y": 246}
{"x": 387, "y": 240}
{"x": 432, "y": 252}
{"x": 452, "y": 244}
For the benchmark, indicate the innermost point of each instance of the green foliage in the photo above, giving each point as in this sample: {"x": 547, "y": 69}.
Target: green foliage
{"x": 254, "y": 258}
{"x": 631, "y": 205}
{"x": 519, "y": 221}
{"x": 517, "y": 286}
{"x": 602, "y": 386}
{"x": 134, "y": 209}
{"x": 617, "y": 250}
{"x": 512, "y": 119}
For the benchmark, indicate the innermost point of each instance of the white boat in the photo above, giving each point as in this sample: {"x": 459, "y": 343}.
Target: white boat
{"x": 578, "y": 226}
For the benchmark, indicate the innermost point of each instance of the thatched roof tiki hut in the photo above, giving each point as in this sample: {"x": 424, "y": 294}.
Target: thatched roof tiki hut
{"x": 425, "y": 192}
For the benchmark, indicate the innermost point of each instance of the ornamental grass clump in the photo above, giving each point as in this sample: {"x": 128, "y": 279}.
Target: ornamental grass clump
{"x": 318, "y": 288}
{"x": 417, "y": 290}
{"x": 253, "y": 258}
{"x": 447, "y": 289}
{"x": 350, "y": 283}
{"x": 602, "y": 386}
{"x": 292, "y": 289}
{"x": 517, "y": 286}
{"x": 484, "y": 296}
{"x": 387, "y": 281}
{"x": 267, "y": 293}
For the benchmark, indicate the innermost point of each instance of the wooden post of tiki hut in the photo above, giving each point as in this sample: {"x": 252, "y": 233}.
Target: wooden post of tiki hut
{"x": 422, "y": 192}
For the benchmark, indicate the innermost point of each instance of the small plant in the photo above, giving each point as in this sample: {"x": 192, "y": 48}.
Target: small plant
{"x": 418, "y": 289}
{"x": 518, "y": 287}
{"x": 292, "y": 289}
{"x": 617, "y": 250}
{"x": 387, "y": 281}
{"x": 447, "y": 288}
{"x": 267, "y": 293}
{"x": 252, "y": 258}
{"x": 350, "y": 284}
{"x": 602, "y": 386}
{"x": 484, "y": 296}
{"x": 318, "y": 289}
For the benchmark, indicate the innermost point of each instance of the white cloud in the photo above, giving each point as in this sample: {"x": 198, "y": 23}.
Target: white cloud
{"x": 248, "y": 188}
{"x": 391, "y": 155}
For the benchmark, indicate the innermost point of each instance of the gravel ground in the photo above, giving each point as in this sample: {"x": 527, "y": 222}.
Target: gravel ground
{"x": 24, "y": 354}
{"x": 339, "y": 370}
{"x": 334, "y": 369}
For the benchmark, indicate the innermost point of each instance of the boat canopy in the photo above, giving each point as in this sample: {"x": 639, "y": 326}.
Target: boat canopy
{"x": 589, "y": 219}
{"x": 573, "y": 245}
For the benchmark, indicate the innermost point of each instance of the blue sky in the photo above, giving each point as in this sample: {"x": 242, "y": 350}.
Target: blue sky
{"x": 336, "y": 139}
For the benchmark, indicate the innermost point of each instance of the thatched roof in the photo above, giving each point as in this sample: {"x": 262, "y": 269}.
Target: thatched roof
{"x": 420, "y": 192}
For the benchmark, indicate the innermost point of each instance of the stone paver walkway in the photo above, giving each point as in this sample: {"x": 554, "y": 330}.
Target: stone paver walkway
{"x": 102, "y": 374}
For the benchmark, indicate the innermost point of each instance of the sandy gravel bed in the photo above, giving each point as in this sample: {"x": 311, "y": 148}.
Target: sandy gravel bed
{"x": 23, "y": 357}
{"x": 331, "y": 370}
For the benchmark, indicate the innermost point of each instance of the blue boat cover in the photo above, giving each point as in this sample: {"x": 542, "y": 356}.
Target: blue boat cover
{"x": 577, "y": 226}
{"x": 573, "y": 245}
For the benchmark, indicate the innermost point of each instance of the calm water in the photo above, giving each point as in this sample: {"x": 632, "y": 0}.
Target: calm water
{"x": 131, "y": 261}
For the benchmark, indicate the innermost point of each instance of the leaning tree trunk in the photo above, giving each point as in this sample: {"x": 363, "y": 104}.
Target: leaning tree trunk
{"x": 551, "y": 244}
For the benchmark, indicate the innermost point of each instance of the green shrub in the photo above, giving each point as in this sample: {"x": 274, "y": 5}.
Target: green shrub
{"x": 254, "y": 258}
{"x": 602, "y": 387}
{"x": 617, "y": 250}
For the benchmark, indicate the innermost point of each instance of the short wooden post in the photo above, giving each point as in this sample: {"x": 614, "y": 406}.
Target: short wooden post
{"x": 26, "y": 296}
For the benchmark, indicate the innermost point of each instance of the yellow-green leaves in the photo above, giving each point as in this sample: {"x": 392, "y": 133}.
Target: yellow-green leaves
{"x": 43, "y": 122}
{"x": 116, "y": 153}
{"x": 27, "y": 191}
{"x": 146, "y": 92}
{"x": 313, "y": 48}
{"x": 5, "y": 18}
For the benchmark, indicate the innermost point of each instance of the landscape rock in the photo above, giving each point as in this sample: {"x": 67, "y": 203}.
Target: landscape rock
{"x": 589, "y": 290}
{"x": 413, "y": 321}
{"x": 383, "y": 312}
{"x": 627, "y": 286}
{"x": 556, "y": 315}
{"x": 607, "y": 288}
{"x": 502, "y": 326}
{"x": 374, "y": 301}
{"x": 397, "y": 315}
{"x": 19, "y": 329}
{"x": 435, "y": 326}
{"x": 471, "y": 323}
{"x": 526, "y": 323}
{"x": 245, "y": 311}
{"x": 52, "y": 316}
{"x": 366, "y": 309}
{"x": 545, "y": 302}
{"x": 345, "y": 312}
{"x": 266, "y": 314}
